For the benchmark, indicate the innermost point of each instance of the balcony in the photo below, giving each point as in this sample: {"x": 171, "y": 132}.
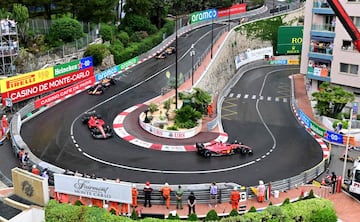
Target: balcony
{"x": 318, "y": 72}
{"x": 326, "y": 30}
{"x": 322, "y": 8}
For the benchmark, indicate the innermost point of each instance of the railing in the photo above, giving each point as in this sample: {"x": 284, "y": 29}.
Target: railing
{"x": 323, "y": 27}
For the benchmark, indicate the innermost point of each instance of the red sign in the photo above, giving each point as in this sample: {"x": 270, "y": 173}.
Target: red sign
{"x": 235, "y": 9}
{"x": 47, "y": 86}
{"x": 61, "y": 94}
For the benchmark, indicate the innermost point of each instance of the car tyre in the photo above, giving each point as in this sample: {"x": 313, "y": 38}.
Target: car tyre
{"x": 207, "y": 154}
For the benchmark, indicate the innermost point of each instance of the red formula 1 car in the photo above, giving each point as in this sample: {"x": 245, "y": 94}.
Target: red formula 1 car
{"x": 97, "y": 126}
{"x": 99, "y": 88}
{"x": 221, "y": 149}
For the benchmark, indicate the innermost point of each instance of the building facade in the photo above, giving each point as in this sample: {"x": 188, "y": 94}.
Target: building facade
{"x": 328, "y": 53}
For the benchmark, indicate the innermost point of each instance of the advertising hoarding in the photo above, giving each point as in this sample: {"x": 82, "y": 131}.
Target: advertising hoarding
{"x": 235, "y": 9}
{"x": 73, "y": 66}
{"x": 203, "y": 15}
{"x": 47, "y": 86}
{"x": 92, "y": 188}
{"x": 21, "y": 81}
{"x": 290, "y": 40}
{"x": 61, "y": 94}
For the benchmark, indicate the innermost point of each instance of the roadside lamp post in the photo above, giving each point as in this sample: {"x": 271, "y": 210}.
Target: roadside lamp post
{"x": 176, "y": 62}
{"x": 212, "y": 36}
{"x": 229, "y": 19}
{"x": 192, "y": 54}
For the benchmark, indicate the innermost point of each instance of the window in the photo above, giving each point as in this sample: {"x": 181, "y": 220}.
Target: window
{"x": 349, "y": 68}
{"x": 347, "y": 45}
{"x": 356, "y": 21}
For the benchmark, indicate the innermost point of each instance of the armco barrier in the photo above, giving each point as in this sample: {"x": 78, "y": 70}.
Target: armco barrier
{"x": 29, "y": 111}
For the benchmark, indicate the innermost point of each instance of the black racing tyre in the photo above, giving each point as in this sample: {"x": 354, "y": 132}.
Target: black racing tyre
{"x": 244, "y": 151}
{"x": 207, "y": 153}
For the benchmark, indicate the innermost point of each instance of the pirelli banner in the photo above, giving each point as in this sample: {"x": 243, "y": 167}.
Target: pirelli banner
{"x": 31, "y": 187}
{"x": 36, "y": 83}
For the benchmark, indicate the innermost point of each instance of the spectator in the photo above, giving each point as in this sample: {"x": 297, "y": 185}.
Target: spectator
{"x": 191, "y": 203}
{"x": 45, "y": 173}
{"x": 179, "y": 195}
{"x": 147, "y": 193}
{"x": 213, "y": 194}
{"x": 333, "y": 182}
{"x": 20, "y": 154}
{"x": 261, "y": 191}
{"x": 235, "y": 197}
{"x": 35, "y": 170}
{"x": 134, "y": 194}
{"x": 24, "y": 160}
{"x": 166, "y": 191}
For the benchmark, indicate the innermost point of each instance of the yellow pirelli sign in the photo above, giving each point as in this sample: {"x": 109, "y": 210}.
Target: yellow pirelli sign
{"x": 20, "y": 81}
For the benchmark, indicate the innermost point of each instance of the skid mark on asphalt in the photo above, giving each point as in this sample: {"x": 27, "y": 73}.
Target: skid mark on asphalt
{"x": 227, "y": 107}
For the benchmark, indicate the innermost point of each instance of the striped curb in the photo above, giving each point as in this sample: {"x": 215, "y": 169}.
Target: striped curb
{"x": 119, "y": 129}
{"x": 324, "y": 147}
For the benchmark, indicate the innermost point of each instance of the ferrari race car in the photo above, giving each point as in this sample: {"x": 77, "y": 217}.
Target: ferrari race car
{"x": 222, "y": 149}
{"x": 99, "y": 88}
{"x": 97, "y": 126}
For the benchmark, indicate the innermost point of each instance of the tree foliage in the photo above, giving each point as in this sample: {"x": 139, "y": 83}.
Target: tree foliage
{"x": 266, "y": 30}
{"x": 95, "y": 10}
{"x": 21, "y": 16}
{"x": 98, "y": 52}
{"x": 331, "y": 99}
{"x": 65, "y": 29}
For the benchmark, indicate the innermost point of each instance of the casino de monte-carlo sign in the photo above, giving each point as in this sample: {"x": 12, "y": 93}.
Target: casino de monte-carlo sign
{"x": 93, "y": 188}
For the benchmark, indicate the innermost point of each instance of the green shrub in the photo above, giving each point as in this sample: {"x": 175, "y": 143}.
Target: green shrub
{"x": 274, "y": 211}
{"x": 98, "y": 52}
{"x": 192, "y": 217}
{"x": 286, "y": 201}
{"x": 153, "y": 107}
{"x": 252, "y": 209}
{"x": 65, "y": 29}
{"x": 310, "y": 195}
{"x": 133, "y": 23}
{"x": 106, "y": 32}
{"x": 344, "y": 123}
{"x": 212, "y": 216}
{"x": 134, "y": 215}
{"x": 78, "y": 203}
{"x": 233, "y": 213}
{"x": 123, "y": 37}
{"x": 172, "y": 128}
{"x": 324, "y": 215}
{"x": 187, "y": 117}
{"x": 167, "y": 104}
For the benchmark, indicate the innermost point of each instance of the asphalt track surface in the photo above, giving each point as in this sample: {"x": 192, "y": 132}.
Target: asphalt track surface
{"x": 282, "y": 148}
